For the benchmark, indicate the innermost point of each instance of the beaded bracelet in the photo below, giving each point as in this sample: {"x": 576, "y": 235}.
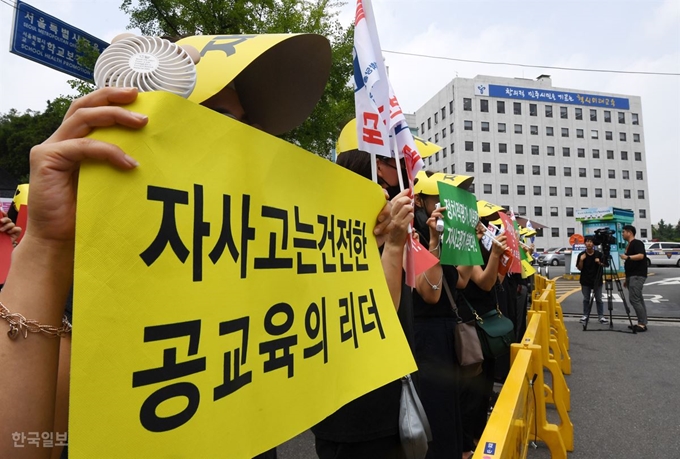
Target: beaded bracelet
{"x": 18, "y": 324}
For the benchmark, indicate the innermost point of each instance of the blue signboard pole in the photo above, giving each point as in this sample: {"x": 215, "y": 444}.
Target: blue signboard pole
{"x": 42, "y": 38}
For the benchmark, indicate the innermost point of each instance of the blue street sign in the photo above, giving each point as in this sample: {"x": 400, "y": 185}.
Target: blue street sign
{"x": 47, "y": 40}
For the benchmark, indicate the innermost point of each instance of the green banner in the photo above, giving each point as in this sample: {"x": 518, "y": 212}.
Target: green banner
{"x": 459, "y": 241}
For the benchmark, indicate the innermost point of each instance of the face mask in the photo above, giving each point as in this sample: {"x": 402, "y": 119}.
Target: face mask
{"x": 393, "y": 190}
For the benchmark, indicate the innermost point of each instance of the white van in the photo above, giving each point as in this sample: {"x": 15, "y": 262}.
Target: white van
{"x": 663, "y": 253}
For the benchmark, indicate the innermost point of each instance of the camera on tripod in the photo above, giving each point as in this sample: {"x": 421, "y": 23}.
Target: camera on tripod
{"x": 604, "y": 237}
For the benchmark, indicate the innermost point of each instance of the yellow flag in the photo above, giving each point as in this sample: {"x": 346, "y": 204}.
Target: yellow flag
{"x": 527, "y": 269}
{"x": 227, "y": 295}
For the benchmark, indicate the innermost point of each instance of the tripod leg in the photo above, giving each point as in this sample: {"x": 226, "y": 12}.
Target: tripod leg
{"x": 615, "y": 277}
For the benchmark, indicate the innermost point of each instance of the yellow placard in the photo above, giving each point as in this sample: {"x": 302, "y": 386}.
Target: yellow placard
{"x": 228, "y": 292}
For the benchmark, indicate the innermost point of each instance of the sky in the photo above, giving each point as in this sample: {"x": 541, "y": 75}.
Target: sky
{"x": 640, "y": 35}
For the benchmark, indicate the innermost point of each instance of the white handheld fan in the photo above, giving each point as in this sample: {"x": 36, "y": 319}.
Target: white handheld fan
{"x": 148, "y": 64}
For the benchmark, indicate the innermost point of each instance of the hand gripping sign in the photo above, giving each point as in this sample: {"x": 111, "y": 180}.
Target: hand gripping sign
{"x": 225, "y": 302}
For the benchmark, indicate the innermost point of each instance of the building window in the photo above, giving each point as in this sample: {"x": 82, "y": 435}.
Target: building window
{"x": 537, "y": 191}
{"x": 625, "y": 175}
{"x": 522, "y": 210}
{"x": 504, "y": 189}
{"x": 450, "y": 107}
{"x": 429, "y": 124}
{"x": 533, "y": 130}
{"x": 519, "y": 149}
{"x": 552, "y": 170}
{"x": 607, "y": 116}
{"x": 565, "y": 132}
{"x": 622, "y": 136}
{"x": 570, "y": 232}
{"x": 444, "y": 133}
{"x": 578, "y": 113}
{"x": 469, "y": 167}
{"x": 567, "y": 171}
{"x": 634, "y": 116}
{"x": 443, "y": 112}
{"x": 548, "y": 111}
{"x": 519, "y": 169}
{"x": 436, "y": 156}
{"x": 501, "y": 127}
{"x": 622, "y": 118}
{"x": 467, "y": 125}
{"x": 444, "y": 152}
{"x": 552, "y": 191}
{"x": 500, "y": 106}
{"x": 553, "y": 212}
{"x": 503, "y": 168}
{"x": 636, "y": 138}
{"x": 518, "y": 128}
{"x": 581, "y": 152}
{"x": 593, "y": 114}
{"x": 598, "y": 192}
{"x": 610, "y": 154}
{"x": 641, "y": 194}
{"x": 534, "y": 150}
{"x": 597, "y": 173}
{"x": 517, "y": 108}
{"x": 469, "y": 146}
{"x": 485, "y": 126}
{"x": 536, "y": 170}
{"x": 486, "y": 167}
{"x": 533, "y": 110}
{"x": 596, "y": 153}
{"x": 608, "y": 135}
{"x": 555, "y": 232}
{"x": 611, "y": 173}
{"x": 579, "y": 133}
{"x": 484, "y": 105}
{"x": 451, "y": 128}
{"x": 563, "y": 113}
{"x": 539, "y": 232}
{"x": 422, "y": 128}
{"x": 538, "y": 211}
{"x": 487, "y": 188}
{"x": 467, "y": 104}
{"x": 581, "y": 171}
{"x": 521, "y": 190}
{"x": 643, "y": 213}
{"x": 486, "y": 146}
{"x": 550, "y": 151}
{"x": 436, "y": 137}
{"x": 593, "y": 134}
{"x": 643, "y": 233}
{"x": 446, "y": 170}
{"x": 502, "y": 148}
{"x": 638, "y": 175}
{"x": 626, "y": 194}
{"x": 570, "y": 211}
{"x": 584, "y": 192}
{"x": 566, "y": 152}
{"x": 638, "y": 156}
{"x": 549, "y": 131}
{"x": 436, "y": 118}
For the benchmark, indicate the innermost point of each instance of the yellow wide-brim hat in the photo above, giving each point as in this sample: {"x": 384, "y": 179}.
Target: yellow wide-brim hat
{"x": 279, "y": 78}
{"x": 487, "y": 209}
{"x": 428, "y": 185}
{"x": 348, "y": 141}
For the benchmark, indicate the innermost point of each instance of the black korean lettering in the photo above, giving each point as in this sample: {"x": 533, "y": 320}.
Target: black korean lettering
{"x": 201, "y": 230}
{"x": 227, "y": 240}
{"x": 272, "y": 261}
{"x": 348, "y": 319}
{"x": 170, "y": 369}
{"x": 280, "y": 344}
{"x": 315, "y": 322}
{"x": 328, "y": 234}
{"x": 372, "y": 309}
{"x": 225, "y": 43}
{"x": 167, "y": 233}
{"x": 359, "y": 241}
{"x": 234, "y": 381}
{"x": 344, "y": 236}
{"x": 303, "y": 243}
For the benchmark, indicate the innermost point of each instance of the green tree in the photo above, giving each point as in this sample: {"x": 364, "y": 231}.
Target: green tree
{"x": 190, "y": 17}
{"x": 19, "y": 132}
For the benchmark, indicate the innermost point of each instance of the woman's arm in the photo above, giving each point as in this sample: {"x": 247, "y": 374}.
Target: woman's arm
{"x": 392, "y": 258}
{"x": 486, "y": 278}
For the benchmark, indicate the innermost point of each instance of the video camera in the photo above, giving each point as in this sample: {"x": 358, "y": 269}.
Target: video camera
{"x": 605, "y": 238}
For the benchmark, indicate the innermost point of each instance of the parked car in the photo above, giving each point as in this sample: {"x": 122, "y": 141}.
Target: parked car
{"x": 554, "y": 256}
{"x": 663, "y": 253}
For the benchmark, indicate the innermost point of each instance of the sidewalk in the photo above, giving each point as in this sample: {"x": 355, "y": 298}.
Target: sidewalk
{"x": 625, "y": 392}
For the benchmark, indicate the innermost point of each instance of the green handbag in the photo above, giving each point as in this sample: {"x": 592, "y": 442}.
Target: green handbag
{"x": 496, "y": 332}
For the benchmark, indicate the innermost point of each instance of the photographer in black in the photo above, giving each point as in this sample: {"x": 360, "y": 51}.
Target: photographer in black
{"x": 636, "y": 275}
{"x": 590, "y": 262}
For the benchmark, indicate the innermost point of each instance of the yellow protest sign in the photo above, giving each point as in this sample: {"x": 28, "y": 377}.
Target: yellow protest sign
{"x": 227, "y": 296}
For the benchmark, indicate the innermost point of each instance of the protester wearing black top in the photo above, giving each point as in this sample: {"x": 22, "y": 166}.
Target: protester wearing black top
{"x": 590, "y": 262}
{"x": 636, "y": 275}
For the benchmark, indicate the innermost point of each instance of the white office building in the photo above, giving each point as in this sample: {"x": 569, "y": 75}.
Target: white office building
{"x": 545, "y": 151}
